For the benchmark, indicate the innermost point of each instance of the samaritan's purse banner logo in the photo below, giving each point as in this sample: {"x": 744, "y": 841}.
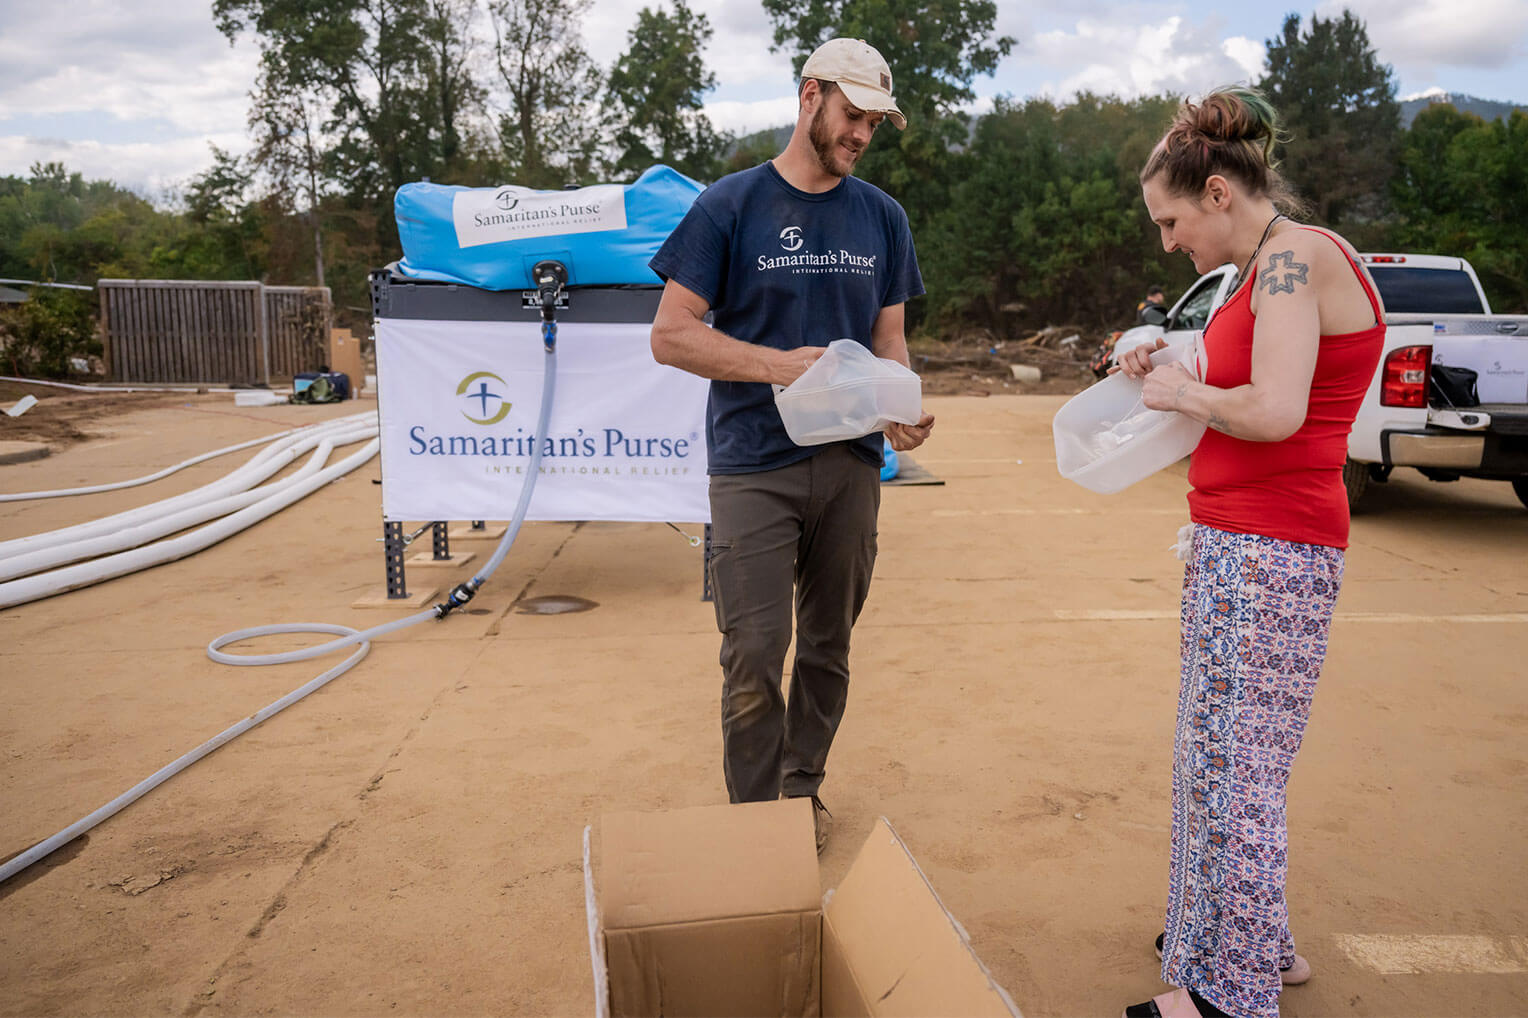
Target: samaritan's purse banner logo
{"x": 461, "y": 405}
{"x": 482, "y": 393}
{"x": 491, "y": 216}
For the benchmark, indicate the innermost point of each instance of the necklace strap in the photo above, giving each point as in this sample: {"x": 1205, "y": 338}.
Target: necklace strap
{"x": 1242, "y": 275}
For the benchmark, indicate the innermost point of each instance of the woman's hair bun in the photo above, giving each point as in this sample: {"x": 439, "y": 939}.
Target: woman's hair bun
{"x": 1231, "y": 114}
{"x": 1231, "y": 131}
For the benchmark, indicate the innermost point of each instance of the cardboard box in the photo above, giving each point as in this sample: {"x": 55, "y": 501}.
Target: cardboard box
{"x": 717, "y": 910}
{"x": 345, "y": 355}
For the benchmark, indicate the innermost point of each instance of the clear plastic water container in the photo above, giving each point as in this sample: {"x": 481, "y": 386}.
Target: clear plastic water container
{"x": 847, "y": 393}
{"x": 1107, "y": 439}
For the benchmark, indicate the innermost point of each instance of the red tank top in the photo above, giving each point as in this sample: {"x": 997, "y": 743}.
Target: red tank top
{"x": 1291, "y": 490}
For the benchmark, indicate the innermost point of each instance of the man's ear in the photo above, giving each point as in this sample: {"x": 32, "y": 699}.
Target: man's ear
{"x": 811, "y": 95}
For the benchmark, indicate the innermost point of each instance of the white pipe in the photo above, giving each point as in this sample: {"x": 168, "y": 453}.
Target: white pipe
{"x": 171, "y": 523}
{"x": 116, "y": 388}
{"x": 270, "y": 460}
{"x": 22, "y": 496}
{"x": 57, "y": 581}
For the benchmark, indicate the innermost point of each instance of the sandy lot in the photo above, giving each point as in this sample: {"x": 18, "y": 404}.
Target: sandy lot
{"x": 407, "y": 840}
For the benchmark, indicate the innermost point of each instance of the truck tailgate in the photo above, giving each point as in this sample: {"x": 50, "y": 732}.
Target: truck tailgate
{"x": 1500, "y": 361}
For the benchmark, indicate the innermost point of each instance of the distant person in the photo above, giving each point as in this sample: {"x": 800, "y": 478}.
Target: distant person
{"x": 1290, "y": 356}
{"x": 1154, "y": 298}
{"x": 789, "y": 256}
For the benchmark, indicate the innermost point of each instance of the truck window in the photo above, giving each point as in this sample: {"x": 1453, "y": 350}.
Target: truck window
{"x": 1425, "y": 291}
{"x": 1194, "y": 312}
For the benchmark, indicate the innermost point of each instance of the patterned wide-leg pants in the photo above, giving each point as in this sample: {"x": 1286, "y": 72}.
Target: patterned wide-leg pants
{"x": 1256, "y": 614}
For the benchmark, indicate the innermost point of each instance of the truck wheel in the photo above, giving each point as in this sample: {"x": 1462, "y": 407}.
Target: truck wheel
{"x": 1520, "y": 485}
{"x": 1355, "y": 478}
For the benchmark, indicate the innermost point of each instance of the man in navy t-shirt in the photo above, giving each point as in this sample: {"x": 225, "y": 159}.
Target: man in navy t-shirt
{"x": 787, "y": 257}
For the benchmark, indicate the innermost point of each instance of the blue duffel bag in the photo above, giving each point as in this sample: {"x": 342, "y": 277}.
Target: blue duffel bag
{"x": 490, "y": 237}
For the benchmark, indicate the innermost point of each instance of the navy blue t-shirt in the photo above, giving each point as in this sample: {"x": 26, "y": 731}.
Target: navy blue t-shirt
{"x": 786, "y": 268}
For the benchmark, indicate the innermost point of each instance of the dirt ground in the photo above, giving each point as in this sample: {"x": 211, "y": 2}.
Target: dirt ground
{"x": 406, "y": 841}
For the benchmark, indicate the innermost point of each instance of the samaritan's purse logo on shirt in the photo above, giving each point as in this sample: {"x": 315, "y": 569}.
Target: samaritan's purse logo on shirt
{"x": 798, "y": 261}
{"x": 491, "y": 216}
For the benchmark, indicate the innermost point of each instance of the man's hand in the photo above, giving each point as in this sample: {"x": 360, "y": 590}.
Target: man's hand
{"x": 789, "y": 365}
{"x": 909, "y": 436}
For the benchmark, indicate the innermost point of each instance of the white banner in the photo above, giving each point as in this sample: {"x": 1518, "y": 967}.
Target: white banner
{"x": 459, "y": 402}
{"x": 482, "y": 216}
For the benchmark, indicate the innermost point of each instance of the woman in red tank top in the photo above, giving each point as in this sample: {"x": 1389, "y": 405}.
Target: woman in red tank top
{"x": 1289, "y": 355}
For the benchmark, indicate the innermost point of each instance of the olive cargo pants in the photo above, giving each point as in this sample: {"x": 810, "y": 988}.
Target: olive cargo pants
{"x": 799, "y": 539}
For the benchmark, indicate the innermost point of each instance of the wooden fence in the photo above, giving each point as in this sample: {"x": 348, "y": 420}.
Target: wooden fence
{"x": 172, "y": 330}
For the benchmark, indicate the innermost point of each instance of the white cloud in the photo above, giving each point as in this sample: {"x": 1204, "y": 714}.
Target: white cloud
{"x": 1419, "y": 36}
{"x": 152, "y": 169}
{"x": 135, "y": 62}
{"x": 746, "y": 117}
{"x": 1173, "y": 55}
{"x": 1248, "y": 54}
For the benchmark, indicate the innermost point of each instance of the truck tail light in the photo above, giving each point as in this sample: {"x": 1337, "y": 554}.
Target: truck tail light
{"x": 1404, "y": 382}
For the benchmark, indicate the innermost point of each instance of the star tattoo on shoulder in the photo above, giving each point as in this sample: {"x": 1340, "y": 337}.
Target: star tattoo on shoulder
{"x": 1282, "y": 280}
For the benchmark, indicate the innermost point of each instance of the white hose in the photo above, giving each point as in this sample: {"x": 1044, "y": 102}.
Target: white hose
{"x": 57, "y": 581}
{"x": 268, "y": 461}
{"x": 348, "y": 637}
{"x": 116, "y": 388}
{"x": 173, "y": 522}
{"x": 142, "y": 788}
{"x": 22, "y": 496}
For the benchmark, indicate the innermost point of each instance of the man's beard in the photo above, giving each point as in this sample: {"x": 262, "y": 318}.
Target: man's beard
{"x": 824, "y": 144}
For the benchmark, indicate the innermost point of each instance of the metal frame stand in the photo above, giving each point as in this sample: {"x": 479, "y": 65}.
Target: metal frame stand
{"x": 392, "y": 557}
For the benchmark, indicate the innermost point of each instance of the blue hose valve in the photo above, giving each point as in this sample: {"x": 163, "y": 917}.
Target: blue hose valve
{"x": 550, "y": 276}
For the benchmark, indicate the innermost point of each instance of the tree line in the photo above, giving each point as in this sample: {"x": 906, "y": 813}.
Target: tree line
{"x": 1026, "y": 215}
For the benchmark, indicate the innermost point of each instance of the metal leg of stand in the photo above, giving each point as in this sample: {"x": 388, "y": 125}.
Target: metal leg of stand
{"x": 441, "y": 543}
{"x": 705, "y": 569}
{"x": 392, "y": 553}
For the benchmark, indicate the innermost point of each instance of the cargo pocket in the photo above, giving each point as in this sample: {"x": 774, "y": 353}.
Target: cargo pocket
{"x": 720, "y": 560}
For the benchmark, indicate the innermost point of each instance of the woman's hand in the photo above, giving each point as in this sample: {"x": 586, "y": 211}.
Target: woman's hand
{"x": 1166, "y": 386}
{"x": 1136, "y": 363}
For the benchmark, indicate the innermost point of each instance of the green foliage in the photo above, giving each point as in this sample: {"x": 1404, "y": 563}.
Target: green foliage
{"x": 1029, "y": 216}
{"x": 753, "y": 149}
{"x": 386, "y": 73}
{"x": 1046, "y": 224}
{"x": 935, "y": 50}
{"x": 548, "y": 135}
{"x": 1462, "y": 189}
{"x": 1337, "y": 103}
{"x": 658, "y": 86}
{"x": 39, "y": 336}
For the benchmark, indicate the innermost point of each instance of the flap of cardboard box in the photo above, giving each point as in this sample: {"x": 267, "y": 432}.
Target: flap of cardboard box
{"x": 709, "y": 862}
{"x": 890, "y": 947}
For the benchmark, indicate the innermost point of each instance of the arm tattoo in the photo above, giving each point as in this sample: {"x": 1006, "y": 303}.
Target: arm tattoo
{"x": 1276, "y": 280}
{"x": 1220, "y": 424}
{"x": 1182, "y": 391}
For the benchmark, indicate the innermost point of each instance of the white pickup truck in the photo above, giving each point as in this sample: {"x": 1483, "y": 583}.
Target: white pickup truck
{"x": 1437, "y": 316}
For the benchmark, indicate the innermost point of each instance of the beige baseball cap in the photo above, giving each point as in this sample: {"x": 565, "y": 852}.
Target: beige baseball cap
{"x": 860, "y": 71}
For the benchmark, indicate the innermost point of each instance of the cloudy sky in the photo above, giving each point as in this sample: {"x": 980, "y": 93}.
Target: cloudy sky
{"x": 137, "y": 92}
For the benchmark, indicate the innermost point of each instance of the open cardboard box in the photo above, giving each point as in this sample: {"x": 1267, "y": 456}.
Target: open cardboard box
{"x": 717, "y": 911}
